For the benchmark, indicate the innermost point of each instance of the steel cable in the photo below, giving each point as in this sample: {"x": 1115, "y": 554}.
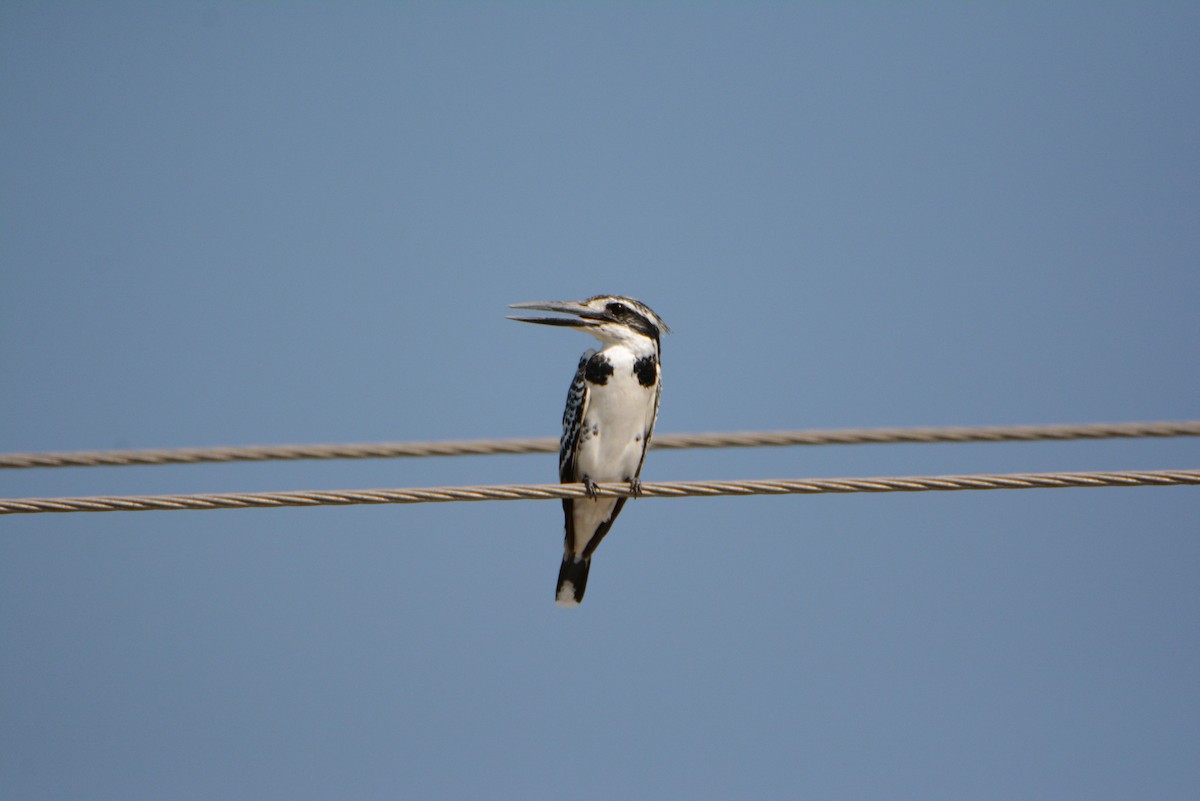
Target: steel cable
{"x": 670, "y": 489}
{"x": 480, "y": 447}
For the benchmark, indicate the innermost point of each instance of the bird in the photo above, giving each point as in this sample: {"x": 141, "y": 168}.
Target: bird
{"x": 608, "y": 422}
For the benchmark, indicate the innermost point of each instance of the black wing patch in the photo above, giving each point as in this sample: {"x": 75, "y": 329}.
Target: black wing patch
{"x": 568, "y": 446}
{"x": 653, "y": 418}
{"x": 572, "y": 422}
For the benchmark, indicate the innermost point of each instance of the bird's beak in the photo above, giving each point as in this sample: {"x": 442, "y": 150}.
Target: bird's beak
{"x": 583, "y": 316}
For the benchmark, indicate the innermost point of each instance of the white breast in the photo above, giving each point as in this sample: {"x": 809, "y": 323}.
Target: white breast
{"x": 619, "y": 413}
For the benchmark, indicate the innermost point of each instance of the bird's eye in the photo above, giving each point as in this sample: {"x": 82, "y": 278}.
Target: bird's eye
{"x": 617, "y": 308}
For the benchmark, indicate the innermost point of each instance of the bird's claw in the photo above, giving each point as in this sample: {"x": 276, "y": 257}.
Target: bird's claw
{"x": 589, "y": 487}
{"x": 635, "y": 487}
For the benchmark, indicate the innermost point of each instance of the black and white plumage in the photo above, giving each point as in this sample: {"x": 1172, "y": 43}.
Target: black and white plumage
{"x": 609, "y": 419}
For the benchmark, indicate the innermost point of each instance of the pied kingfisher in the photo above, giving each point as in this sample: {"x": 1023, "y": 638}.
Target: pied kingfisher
{"x": 609, "y": 419}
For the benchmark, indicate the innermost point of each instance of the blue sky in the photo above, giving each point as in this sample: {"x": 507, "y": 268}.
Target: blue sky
{"x": 232, "y": 223}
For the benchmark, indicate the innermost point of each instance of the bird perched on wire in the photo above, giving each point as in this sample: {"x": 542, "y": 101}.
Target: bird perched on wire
{"x": 609, "y": 419}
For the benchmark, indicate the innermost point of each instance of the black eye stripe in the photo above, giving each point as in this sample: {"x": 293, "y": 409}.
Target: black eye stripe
{"x": 634, "y": 316}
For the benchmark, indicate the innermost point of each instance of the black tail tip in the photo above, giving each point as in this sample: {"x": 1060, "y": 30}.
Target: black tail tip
{"x": 572, "y": 581}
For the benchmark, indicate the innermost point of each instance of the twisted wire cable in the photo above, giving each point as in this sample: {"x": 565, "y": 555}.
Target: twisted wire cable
{"x": 670, "y": 489}
{"x": 481, "y": 447}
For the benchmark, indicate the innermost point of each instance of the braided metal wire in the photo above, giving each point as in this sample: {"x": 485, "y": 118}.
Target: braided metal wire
{"x": 670, "y": 489}
{"x": 264, "y": 453}
{"x": 480, "y": 447}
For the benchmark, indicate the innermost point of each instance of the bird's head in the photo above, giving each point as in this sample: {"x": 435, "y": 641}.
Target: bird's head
{"x": 612, "y": 319}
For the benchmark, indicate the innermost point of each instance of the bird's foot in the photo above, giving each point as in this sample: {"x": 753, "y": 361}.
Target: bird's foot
{"x": 589, "y": 487}
{"x": 635, "y": 487}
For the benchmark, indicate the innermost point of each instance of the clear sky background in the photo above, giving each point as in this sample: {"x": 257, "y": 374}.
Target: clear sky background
{"x": 235, "y": 223}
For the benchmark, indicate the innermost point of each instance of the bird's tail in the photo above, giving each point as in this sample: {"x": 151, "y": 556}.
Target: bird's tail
{"x": 572, "y": 580}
